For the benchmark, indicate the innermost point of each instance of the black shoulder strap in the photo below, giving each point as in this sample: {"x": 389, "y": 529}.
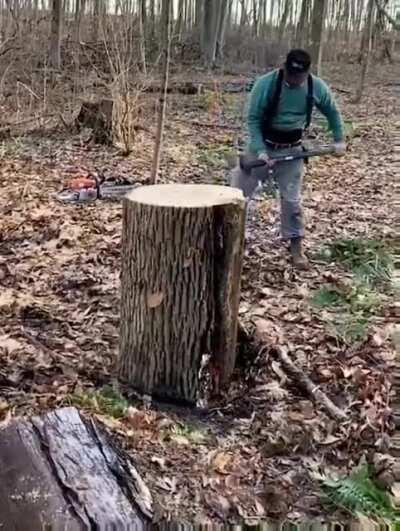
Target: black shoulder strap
{"x": 272, "y": 103}
{"x": 310, "y": 100}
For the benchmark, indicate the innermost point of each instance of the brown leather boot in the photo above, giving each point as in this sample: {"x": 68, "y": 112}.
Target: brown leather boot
{"x": 299, "y": 260}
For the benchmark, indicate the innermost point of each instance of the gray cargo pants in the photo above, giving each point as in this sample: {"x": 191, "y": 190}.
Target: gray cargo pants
{"x": 289, "y": 176}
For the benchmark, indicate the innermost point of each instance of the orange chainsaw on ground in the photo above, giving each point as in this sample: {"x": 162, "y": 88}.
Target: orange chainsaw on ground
{"x": 91, "y": 187}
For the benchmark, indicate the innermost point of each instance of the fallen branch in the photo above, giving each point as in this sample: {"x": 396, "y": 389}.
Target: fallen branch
{"x": 344, "y": 91}
{"x": 207, "y": 124}
{"x": 305, "y": 383}
{"x": 9, "y": 126}
{"x": 189, "y": 88}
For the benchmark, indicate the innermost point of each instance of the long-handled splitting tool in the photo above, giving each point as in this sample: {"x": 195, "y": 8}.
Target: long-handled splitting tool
{"x": 249, "y": 162}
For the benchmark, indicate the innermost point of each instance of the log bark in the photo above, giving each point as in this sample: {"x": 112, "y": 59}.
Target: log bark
{"x": 60, "y": 471}
{"x": 182, "y": 248}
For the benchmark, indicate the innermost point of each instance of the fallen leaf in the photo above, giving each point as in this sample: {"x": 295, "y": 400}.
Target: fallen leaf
{"x": 167, "y": 484}
{"x": 155, "y": 299}
{"x": 259, "y": 508}
{"x": 296, "y": 416}
{"x": 138, "y": 418}
{"x": 9, "y": 344}
{"x": 396, "y": 493}
{"x": 378, "y": 340}
{"x": 6, "y": 420}
{"x": 7, "y": 298}
{"x": 395, "y": 337}
{"x": 160, "y": 461}
{"x": 273, "y": 391}
{"x": 330, "y": 439}
{"x": 303, "y": 291}
{"x": 180, "y": 439}
{"x": 218, "y": 503}
{"x": 198, "y": 436}
{"x": 165, "y": 423}
{"x": 276, "y": 367}
{"x": 221, "y": 461}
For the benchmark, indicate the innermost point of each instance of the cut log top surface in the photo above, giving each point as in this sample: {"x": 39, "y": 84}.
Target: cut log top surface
{"x": 185, "y": 195}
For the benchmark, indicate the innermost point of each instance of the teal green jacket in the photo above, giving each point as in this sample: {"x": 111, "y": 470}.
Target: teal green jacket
{"x": 292, "y": 108}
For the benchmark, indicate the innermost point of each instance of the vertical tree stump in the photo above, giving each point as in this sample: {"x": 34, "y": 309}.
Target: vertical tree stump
{"x": 182, "y": 248}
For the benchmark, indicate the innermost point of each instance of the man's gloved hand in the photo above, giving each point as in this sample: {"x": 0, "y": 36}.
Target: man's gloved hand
{"x": 340, "y": 148}
{"x": 268, "y": 161}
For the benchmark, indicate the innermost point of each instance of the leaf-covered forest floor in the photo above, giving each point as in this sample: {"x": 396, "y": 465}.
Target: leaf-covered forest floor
{"x": 255, "y": 453}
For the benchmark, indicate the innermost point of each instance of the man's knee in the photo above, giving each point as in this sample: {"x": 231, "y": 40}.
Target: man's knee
{"x": 291, "y": 190}
{"x": 292, "y": 212}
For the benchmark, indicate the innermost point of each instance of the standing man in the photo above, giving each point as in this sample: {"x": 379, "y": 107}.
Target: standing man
{"x": 281, "y": 105}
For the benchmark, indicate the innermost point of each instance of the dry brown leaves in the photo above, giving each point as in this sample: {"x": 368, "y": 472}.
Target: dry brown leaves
{"x": 59, "y": 304}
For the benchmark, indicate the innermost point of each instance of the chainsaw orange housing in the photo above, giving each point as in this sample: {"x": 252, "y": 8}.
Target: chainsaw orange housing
{"x": 81, "y": 182}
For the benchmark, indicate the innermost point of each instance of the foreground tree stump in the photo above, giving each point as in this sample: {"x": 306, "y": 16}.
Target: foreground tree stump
{"x": 60, "y": 471}
{"x": 182, "y": 248}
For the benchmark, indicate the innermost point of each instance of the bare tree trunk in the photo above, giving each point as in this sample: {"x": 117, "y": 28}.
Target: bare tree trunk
{"x": 263, "y": 17}
{"x": 338, "y": 29}
{"x": 199, "y": 13}
{"x": 222, "y": 19}
{"x": 142, "y": 8}
{"x": 211, "y": 10}
{"x": 166, "y": 17}
{"x": 380, "y": 27}
{"x": 80, "y": 6}
{"x": 271, "y": 12}
{"x": 229, "y": 17}
{"x": 284, "y": 19}
{"x": 152, "y": 22}
{"x": 302, "y": 31}
{"x": 142, "y": 34}
{"x": 179, "y": 22}
{"x": 255, "y": 18}
{"x": 77, "y": 21}
{"x": 243, "y": 14}
{"x": 317, "y": 34}
{"x": 55, "y": 35}
{"x": 96, "y": 20}
{"x": 359, "y": 14}
{"x": 366, "y": 52}
{"x": 393, "y": 22}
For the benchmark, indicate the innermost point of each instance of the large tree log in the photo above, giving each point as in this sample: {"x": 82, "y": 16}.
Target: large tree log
{"x": 61, "y": 472}
{"x": 182, "y": 248}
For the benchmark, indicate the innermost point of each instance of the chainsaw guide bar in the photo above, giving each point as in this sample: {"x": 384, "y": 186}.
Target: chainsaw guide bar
{"x": 87, "y": 195}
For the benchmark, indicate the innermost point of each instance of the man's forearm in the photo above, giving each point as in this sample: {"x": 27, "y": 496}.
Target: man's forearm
{"x": 336, "y": 125}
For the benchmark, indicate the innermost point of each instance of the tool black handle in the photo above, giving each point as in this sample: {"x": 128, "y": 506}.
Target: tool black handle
{"x": 248, "y": 162}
